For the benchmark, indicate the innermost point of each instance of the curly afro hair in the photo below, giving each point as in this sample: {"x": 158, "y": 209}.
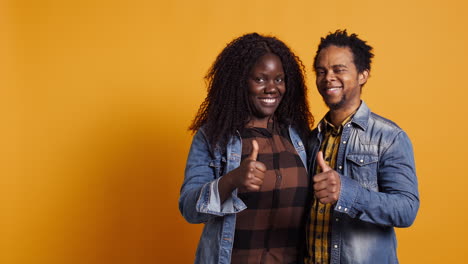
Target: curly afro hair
{"x": 226, "y": 110}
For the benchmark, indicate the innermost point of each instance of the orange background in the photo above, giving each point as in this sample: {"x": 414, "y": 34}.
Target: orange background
{"x": 96, "y": 98}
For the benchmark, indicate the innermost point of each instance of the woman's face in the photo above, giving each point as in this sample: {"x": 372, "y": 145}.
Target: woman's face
{"x": 266, "y": 88}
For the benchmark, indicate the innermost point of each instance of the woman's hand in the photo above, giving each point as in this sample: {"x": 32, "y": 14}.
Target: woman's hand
{"x": 248, "y": 176}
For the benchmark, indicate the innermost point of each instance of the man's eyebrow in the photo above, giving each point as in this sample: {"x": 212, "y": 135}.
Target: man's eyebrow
{"x": 333, "y": 66}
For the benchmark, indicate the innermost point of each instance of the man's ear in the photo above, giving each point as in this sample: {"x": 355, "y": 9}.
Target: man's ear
{"x": 363, "y": 76}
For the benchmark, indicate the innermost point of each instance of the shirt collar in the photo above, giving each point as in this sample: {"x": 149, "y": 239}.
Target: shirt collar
{"x": 335, "y": 131}
{"x": 360, "y": 118}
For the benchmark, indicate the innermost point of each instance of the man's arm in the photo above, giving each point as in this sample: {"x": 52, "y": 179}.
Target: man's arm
{"x": 397, "y": 201}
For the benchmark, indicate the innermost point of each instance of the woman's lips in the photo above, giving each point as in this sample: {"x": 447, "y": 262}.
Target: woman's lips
{"x": 268, "y": 101}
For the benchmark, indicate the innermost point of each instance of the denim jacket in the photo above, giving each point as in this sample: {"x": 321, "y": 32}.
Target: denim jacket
{"x": 199, "y": 200}
{"x": 379, "y": 189}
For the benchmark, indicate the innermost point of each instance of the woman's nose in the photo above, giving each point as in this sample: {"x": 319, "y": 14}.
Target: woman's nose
{"x": 271, "y": 87}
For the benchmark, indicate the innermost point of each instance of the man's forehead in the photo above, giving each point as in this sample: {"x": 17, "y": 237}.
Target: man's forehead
{"x": 335, "y": 57}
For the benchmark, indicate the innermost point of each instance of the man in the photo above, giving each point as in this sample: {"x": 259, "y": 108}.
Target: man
{"x": 365, "y": 182}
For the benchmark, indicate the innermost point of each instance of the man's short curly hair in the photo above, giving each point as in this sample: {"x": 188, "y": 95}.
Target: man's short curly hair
{"x": 362, "y": 52}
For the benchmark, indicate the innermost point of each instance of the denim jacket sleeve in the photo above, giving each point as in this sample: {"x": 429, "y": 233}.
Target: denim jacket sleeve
{"x": 397, "y": 201}
{"x": 199, "y": 195}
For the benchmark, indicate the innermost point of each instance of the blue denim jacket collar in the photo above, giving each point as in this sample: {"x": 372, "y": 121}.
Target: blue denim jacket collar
{"x": 361, "y": 118}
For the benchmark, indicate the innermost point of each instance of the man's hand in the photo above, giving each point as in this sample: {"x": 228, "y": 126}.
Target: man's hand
{"x": 327, "y": 184}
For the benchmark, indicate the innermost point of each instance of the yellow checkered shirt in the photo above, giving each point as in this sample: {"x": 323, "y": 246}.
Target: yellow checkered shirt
{"x": 318, "y": 239}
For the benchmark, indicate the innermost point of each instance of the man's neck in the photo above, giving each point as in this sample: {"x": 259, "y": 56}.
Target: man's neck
{"x": 336, "y": 117}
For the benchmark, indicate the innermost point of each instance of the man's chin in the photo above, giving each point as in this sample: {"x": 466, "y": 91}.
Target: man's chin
{"x": 335, "y": 105}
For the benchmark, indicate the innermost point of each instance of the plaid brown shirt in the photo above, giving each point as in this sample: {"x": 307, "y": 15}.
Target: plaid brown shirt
{"x": 270, "y": 229}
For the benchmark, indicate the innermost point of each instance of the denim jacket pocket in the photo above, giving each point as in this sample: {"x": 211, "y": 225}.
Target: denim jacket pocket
{"x": 218, "y": 166}
{"x": 363, "y": 168}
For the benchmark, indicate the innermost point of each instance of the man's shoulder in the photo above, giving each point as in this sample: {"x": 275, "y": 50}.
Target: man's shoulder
{"x": 381, "y": 129}
{"x": 385, "y": 123}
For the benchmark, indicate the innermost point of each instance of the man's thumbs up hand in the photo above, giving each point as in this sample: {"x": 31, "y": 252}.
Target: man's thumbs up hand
{"x": 327, "y": 184}
{"x": 321, "y": 162}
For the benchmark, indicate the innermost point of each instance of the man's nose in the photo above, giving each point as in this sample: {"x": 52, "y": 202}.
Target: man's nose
{"x": 330, "y": 76}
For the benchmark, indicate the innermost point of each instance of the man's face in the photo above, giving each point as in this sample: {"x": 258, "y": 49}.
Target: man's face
{"x": 338, "y": 81}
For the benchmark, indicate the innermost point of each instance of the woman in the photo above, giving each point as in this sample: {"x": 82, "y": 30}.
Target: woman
{"x": 246, "y": 176}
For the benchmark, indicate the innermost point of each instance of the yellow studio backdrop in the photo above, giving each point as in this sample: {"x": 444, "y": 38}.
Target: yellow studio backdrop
{"x": 96, "y": 98}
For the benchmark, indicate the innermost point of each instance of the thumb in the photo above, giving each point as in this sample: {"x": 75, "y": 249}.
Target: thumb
{"x": 254, "y": 153}
{"x": 321, "y": 162}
